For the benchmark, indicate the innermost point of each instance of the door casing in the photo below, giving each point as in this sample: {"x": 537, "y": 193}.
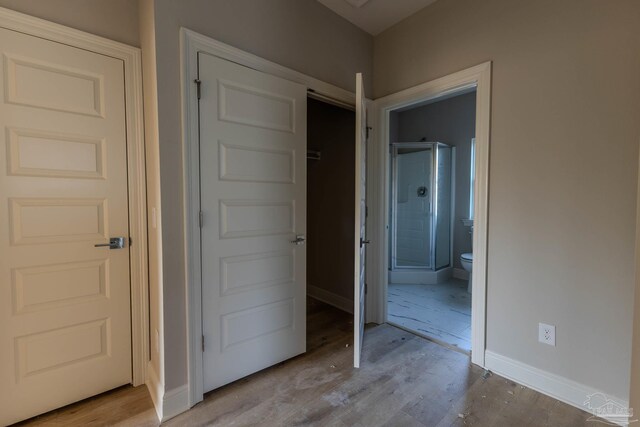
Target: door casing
{"x": 478, "y": 77}
{"x": 137, "y": 199}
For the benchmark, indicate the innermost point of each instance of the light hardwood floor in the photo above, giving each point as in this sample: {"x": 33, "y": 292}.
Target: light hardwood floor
{"x": 441, "y": 311}
{"x": 404, "y": 380}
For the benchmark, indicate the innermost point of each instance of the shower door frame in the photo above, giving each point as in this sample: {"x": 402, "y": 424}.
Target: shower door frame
{"x": 433, "y": 206}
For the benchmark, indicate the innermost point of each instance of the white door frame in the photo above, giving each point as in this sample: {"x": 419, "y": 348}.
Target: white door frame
{"x": 131, "y": 58}
{"x": 191, "y": 43}
{"x": 478, "y": 77}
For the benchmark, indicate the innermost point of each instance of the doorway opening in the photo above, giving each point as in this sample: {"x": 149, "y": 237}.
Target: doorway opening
{"x": 431, "y": 145}
{"x": 330, "y": 221}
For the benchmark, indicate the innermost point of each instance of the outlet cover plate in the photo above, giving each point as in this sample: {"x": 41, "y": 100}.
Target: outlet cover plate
{"x": 547, "y": 334}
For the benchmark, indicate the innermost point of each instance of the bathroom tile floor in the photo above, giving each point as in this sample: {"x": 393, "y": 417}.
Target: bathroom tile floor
{"x": 441, "y": 311}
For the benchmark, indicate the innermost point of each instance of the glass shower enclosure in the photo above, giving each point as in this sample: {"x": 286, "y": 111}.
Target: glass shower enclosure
{"x": 422, "y": 190}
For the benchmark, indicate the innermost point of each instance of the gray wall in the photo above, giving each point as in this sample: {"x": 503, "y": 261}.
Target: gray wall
{"x": 114, "y": 19}
{"x": 563, "y": 167}
{"x": 451, "y": 121}
{"x": 300, "y": 34}
{"x": 330, "y": 195}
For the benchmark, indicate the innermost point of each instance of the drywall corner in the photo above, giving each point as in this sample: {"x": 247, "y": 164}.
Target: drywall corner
{"x": 154, "y": 221}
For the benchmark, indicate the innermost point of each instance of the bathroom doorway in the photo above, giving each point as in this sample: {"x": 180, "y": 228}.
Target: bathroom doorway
{"x": 431, "y": 178}
{"x": 474, "y": 79}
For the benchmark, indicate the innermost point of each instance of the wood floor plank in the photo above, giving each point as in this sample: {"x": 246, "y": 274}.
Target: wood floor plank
{"x": 404, "y": 380}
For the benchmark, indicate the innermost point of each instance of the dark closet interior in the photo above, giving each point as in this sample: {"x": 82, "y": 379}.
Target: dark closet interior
{"x": 330, "y": 200}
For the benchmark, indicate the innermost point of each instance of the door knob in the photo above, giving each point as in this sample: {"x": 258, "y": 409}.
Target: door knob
{"x": 114, "y": 243}
{"x": 299, "y": 240}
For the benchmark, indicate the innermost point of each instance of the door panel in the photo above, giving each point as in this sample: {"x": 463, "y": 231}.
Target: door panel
{"x": 65, "y": 328}
{"x": 360, "y": 220}
{"x": 253, "y": 199}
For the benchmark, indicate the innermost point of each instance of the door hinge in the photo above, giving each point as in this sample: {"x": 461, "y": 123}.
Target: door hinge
{"x": 368, "y": 128}
{"x": 198, "y": 83}
{"x": 203, "y": 343}
{"x": 366, "y": 211}
{"x": 130, "y": 241}
{"x": 200, "y": 219}
{"x": 366, "y": 288}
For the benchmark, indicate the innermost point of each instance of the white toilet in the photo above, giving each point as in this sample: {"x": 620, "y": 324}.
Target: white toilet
{"x": 467, "y": 264}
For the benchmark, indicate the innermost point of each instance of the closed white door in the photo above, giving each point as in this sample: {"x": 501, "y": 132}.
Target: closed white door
{"x": 360, "y": 221}
{"x": 64, "y": 303}
{"x": 253, "y": 142}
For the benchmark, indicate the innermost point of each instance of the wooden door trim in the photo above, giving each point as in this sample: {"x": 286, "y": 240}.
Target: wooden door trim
{"x": 132, "y": 64}
{"x": 478, "y": 77}
{"x": 190, "y": 44}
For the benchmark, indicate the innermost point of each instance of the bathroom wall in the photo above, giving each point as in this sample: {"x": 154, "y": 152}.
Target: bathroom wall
{"x": 330, "y": 195}
{"x": 451, "y": 121}
{"x": 565, "y": 103}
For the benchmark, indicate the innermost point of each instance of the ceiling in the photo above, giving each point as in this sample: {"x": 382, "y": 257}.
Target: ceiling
{"x": 375, "y": 16}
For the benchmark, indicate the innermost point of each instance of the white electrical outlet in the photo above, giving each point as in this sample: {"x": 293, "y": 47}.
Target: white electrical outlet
{"x": 547, "y": 334}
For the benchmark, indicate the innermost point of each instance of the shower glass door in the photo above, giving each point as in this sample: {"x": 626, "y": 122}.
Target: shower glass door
{"x": 412, "y": 207}
{"x": 443, "y": 202}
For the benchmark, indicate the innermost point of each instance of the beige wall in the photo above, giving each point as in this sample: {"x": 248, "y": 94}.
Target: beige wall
{"x": 563, "y": 168}
{"x": 114, "y": 19}
{"x": 300, "y": 34}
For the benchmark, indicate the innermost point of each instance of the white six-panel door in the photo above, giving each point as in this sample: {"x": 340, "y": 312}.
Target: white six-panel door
{"x": 65, "y": 330}
{"x": 360, "y": 243}
{"x": 253, "y": 200}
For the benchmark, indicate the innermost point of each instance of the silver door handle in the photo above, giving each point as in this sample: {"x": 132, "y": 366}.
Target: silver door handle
{"x": 299, "y": 240}
{"x": 114, "y": 243}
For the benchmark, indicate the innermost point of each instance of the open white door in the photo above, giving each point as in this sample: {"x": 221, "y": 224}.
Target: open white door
{"x": 360, "y": 220}
{"x": 253, "y": 147}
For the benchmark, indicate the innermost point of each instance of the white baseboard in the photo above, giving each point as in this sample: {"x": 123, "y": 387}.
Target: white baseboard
{"x": 460, "y": 273}
{"x": 419, "y": 276}
{"x": 561, "y": 388}
{"x": 175, "y": 402}
{"x": 330, "y": 298}
{"x": 156, "y": 389}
